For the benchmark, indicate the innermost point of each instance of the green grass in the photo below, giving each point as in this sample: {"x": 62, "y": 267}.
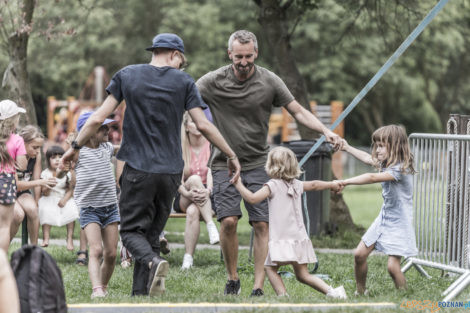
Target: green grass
{"x": 205, "y": 281}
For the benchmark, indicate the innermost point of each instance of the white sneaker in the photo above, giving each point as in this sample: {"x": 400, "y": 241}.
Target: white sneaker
{"x": 187, "y": 262}
{"x": 337, "y": 293}
{"x": 213, "y": 233}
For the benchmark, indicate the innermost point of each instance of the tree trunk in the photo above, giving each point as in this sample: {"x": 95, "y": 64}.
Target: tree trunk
{"x": 273, "y": 19}
{"x": 16, "y": 78}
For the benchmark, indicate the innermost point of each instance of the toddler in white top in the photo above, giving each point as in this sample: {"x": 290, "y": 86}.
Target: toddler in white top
{"x": 288, "y": 239}
{"x": 56, "y": 206}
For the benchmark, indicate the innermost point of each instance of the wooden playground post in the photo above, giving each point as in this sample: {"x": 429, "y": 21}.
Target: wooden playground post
{"x": 50, "y": 116}
{"x": 336, "y": 162}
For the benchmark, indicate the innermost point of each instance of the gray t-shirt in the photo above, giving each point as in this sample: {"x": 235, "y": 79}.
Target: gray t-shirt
{"x": 241, "y": 111}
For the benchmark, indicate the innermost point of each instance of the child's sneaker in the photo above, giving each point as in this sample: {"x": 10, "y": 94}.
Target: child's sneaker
{"x": 337, "y": 293}
{"x": 357, "y": 294}
{"x": 126, "y": 263}
{"x": 187, "y": 262}
{"x": 213, "y": 233}
{"x": 98, "y": 292}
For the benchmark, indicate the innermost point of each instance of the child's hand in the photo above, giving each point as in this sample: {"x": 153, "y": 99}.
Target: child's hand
{"x": 62, "y": 203}
{"x": 48, "y": 182}
{"x": 199, "y": 196}
{"x": 336, "y": 186}
{"x": 345, "y": 145}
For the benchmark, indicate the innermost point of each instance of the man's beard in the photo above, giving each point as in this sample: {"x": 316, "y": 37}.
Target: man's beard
{"x": 244, "y": 70}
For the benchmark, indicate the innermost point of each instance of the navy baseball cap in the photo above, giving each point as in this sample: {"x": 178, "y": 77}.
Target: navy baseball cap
{"x": 84, "y": 117}
{"x": 167, "y": 40}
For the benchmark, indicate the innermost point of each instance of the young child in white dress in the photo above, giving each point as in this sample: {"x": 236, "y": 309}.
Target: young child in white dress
{"x": 288, "y": 239}
{"x": 56, "y": 206}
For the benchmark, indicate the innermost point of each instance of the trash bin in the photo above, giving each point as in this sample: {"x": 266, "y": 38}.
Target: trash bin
{"x": 317, "y": 167}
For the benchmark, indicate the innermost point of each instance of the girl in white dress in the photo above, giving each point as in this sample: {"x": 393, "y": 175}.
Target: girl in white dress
{"x": 288, "y": 239}
{"x": 56, "y": 206}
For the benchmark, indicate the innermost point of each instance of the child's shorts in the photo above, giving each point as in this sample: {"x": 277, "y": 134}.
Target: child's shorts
{"x": 102, "y": 216}
{"x": 7, "y": 188}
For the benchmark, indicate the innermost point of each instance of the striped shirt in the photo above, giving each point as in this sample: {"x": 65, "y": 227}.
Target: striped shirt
{"x": 95, "y": 186}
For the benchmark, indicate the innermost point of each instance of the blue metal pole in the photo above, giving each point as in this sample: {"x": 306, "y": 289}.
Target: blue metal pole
{"x": 408, "y": 41}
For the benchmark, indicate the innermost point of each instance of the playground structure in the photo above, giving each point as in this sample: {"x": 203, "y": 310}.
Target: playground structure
{"x": 62, "y": 115}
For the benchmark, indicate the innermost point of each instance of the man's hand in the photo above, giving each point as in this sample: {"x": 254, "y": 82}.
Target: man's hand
{"x": 336, "y": 186}
{"x": 334, "y": 139}
{"x": 234, "y": 169}
{"x": 67, "y": 158}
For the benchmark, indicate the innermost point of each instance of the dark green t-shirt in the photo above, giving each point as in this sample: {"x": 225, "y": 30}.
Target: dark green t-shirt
{"x": 241, "y": 111}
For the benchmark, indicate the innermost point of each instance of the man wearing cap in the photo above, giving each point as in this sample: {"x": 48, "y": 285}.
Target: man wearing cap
{"x": 156, "y": 95}
{"x": 241, "y": 96}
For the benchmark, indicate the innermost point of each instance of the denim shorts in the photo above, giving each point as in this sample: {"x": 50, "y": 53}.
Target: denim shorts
{"x": 102, "y": 216}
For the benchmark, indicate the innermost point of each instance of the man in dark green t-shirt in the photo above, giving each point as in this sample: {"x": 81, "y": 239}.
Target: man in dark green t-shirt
{"x": 241, "y": 96}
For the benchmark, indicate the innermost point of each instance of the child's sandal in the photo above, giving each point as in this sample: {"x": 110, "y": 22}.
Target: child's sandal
{"x": 82, "y": 261}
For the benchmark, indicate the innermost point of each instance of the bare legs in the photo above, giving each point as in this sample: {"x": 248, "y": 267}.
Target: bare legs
{"x": 360, "y": 268}
{"x": 260, "y": 245}
{"x": 26, "y": 205}
{"x": 302, "y": 275}
{"x": 70, "y": 227}
{"x": 6, "y": 216}
{"x": 194, "y": 211}
{"x": 9, "y": 300}
{"x": 229, "y": 244}
{"x": 46, "y": 232}
{"x": 103, "y": 244}
{"x": 394, "y": 269}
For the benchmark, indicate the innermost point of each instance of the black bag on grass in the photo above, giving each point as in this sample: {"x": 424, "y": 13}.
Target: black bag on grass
{"x": 39, "y": 281}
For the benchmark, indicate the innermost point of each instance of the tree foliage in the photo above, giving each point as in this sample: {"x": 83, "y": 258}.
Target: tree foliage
{"x": 337, "y": 45}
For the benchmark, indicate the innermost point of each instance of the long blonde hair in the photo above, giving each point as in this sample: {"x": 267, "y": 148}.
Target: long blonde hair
{"x": 186, "y": 144}
{"x": 282, "y": 164}
{"x": 7, "y": 127}
{"x": 398, "y": 148}
{"x": 30, "y": 132}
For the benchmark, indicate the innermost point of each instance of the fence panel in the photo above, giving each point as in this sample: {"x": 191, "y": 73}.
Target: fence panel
{"x": 441, "y": 206}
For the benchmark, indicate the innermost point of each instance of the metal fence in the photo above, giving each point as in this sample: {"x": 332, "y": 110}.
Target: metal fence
{"x": 441, "y": 206}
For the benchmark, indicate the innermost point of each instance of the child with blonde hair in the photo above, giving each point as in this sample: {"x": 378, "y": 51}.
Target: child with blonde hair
{"x": 56, "y": 206}
{"x": 28, "y": 178}
{"x": 392, "y": 231}
{"x": 194, "y": 193}
{"x": 288, "y": 239}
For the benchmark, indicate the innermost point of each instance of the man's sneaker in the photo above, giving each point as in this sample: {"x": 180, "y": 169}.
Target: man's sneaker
{"x": 187, "y": 261}
{"x": 257, "y": 292}
{"x": 232, "y": 287}
{"x": 158, "y": 272}
{"x": 213, "y": 233}
{"x": 337, "y": 293}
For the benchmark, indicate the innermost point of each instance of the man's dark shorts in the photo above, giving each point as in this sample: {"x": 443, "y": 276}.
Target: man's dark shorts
{"x": 227, "y": 198}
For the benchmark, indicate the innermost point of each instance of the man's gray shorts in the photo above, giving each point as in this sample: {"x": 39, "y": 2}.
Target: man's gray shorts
{"x": 227, "y": 198}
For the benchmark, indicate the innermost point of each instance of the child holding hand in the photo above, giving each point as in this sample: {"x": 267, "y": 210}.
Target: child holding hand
{"x": 288, "y": 239}
{"x": 392, "y": 232}
{"x": 56, "y": 206}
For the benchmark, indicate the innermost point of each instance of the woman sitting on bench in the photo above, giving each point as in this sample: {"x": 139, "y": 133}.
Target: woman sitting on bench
{"x": 194, "y": 194}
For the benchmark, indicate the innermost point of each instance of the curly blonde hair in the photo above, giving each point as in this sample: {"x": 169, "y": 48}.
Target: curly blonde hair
{"x": 398, "y": 148}
{"x": 282, "y": 164}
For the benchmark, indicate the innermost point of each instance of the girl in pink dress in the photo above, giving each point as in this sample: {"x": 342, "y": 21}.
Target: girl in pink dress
{"x": 288, "y": 239}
